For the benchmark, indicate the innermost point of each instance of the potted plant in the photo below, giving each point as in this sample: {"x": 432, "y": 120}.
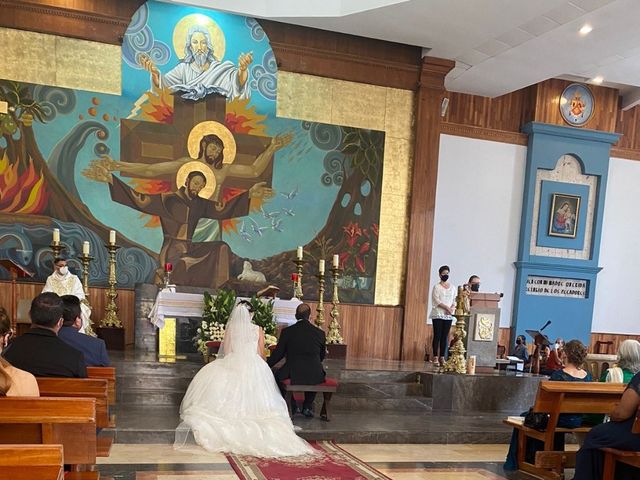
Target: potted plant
{"x": 215, "y": 315}
{"x": 263, "y": 317}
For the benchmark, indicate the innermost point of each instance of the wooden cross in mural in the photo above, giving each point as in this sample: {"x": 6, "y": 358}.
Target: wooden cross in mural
{"x": 149, "y": 142}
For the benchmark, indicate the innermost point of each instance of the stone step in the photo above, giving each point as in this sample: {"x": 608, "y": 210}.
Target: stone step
{"x": 156, "y": 425}
{"x": 150, "y": 397}
{"x": 341, "y": 403}
{"x": 371, "y": 376}
{"x": 126, "y": 382}
{"x": 380, "y": 390}
{"x": 182, "y": 369}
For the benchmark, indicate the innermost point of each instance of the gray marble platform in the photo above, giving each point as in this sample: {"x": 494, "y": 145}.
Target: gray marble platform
{"x": 377, "y": 402}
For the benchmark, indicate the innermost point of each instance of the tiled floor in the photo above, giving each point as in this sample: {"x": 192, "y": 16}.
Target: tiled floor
{"x": 399, "y": 462}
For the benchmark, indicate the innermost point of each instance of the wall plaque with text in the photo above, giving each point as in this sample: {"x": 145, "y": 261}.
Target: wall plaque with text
{"x": 556, "y": 287}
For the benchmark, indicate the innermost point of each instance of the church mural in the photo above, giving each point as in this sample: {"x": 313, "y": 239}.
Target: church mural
{"x": 190, "y": 165}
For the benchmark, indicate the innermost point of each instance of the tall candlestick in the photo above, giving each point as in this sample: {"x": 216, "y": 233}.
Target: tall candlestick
{"x": 299, "y": 253}
{"x": 320, "y": 308}
{"x": 336, "y": 261}
{"x": 334, "y": 336}
{"x": 56, "y": 236}
{"x": 112, "y": 237}
{"x": 85, "y": 248}
{"x": 86, "y": 260}
{"x": 111, "y": 309}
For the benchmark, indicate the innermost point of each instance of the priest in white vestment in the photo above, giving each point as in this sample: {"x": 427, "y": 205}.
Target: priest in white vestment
{"x": 63, "y": 282}
{"x": 199, "y": 73}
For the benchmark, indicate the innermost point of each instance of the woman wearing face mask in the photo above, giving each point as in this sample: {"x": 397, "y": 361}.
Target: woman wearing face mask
{"x": 443, "y": 298}
{"x": 521, "y": 349}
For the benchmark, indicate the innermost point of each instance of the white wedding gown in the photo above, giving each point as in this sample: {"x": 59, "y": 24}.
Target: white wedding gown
{"x": 233, "y": 404}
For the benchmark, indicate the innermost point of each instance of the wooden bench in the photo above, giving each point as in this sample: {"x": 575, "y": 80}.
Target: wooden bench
{"x": 613, "y": 455}
{"x": 109, "y": 374}
{"x": 31, "y": 462}
{"x": 70, "y": 422}
{"x": 328, "y": 388}
{"x": 556, "y": 398}
{"x": 83, "y": 387}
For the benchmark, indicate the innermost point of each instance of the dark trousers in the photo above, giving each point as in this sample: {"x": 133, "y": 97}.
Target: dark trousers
{"x": 440, "y": 336}
{"x": 590, "y": 460}
{"x": 281, "y": 375}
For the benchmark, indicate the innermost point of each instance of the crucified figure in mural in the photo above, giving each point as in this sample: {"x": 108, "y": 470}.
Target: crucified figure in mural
{"x": 211, "y": 153}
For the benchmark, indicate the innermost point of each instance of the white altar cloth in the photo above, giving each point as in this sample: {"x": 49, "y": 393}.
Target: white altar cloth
{"x": 171, "y": 304}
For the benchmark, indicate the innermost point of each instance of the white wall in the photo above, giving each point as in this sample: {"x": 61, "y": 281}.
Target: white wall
{"x": 617, "y": 302}
{"x": 477, "y": 217}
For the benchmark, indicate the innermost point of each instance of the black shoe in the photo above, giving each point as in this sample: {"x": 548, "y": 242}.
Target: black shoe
{"x": 295, "y": 410}
{"x": 307, "y": 412}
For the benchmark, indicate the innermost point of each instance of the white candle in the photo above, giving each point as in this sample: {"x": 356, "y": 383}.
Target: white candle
{"x": 56, "y": 236}
{"x": 336, "y": 261}
{"x": 85, "y": 248}
{"x": 112, "y": 237}
{"x": 321, "y": 266}
{"x": 299, "y": 253}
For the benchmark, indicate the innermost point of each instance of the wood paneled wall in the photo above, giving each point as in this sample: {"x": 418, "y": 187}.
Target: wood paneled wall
{"x": 97, "y": 20}
{"x": 370, "y": 331}
{"x": 97, "y": 298}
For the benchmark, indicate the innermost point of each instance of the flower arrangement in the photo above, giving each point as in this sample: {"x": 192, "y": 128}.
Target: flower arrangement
{"x": 217, "y": 311}
{"x": 208, "y": 332}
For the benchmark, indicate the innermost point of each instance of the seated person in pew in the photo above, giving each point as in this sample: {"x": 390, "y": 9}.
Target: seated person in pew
{"x": 6, "y": 332}
{"x": 628, "y": 365}
{"x": 15, "y": 382}
{"x": 39, "y": 351}
{"x": 575, "y": 355}
{"x": 614, "y": 434}
{"x": 94, "y": 349}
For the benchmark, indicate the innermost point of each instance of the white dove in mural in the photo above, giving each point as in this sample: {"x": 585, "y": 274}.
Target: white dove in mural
{"x": 257, "y": 229}
{"x": 291, "y": 195}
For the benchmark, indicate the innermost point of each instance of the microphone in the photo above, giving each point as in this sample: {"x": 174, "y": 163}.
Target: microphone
{"x": 546, "y": 325}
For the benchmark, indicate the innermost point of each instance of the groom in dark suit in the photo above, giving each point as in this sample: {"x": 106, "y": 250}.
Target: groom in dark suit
{"x": 304, "y": 347}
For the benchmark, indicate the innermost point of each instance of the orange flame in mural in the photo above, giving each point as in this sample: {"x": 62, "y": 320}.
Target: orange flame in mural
{"x": 25, "y": 193}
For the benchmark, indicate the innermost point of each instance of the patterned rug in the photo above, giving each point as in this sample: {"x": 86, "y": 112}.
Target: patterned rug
{"x": 331, "y": 463}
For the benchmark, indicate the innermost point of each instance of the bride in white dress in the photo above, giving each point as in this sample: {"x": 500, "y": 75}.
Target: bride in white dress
{"x": 233, "y": 404}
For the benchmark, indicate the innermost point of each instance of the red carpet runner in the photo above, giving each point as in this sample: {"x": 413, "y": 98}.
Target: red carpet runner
{"x": 332, "y": 463}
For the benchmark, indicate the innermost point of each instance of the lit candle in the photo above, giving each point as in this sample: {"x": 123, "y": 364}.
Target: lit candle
{"x": 299, "y": 253}
{"x": 85, "y": 248}
{"x": 56, "y": 236}
{"x": 336, "y": 261}
{"x": 168, "y": 267}
{"x": 112, "y": 237}
{"x": 321, "y": 266}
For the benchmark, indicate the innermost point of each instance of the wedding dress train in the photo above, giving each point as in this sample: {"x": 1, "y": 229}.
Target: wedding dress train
{"x": 233, "y": 404}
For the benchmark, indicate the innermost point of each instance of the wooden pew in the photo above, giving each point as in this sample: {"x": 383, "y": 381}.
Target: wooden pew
{"x": 613, "y": 456}
{"x": 83, "y": 387}
{"x": 31, "y": 462}
{"x": 555, "y": 398}
{"x": 109, "y": 374}
{"x": 70, "y": 422}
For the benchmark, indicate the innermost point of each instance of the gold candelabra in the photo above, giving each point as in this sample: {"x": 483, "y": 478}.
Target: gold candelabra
{"x": 56, "y": 248}
{"x": 320, "y": 307}
{"x": 111, "y": 310}
{"x": 297, "y": 291}
{"x": 334, "y": 336}
{"x": 86, "y": 261}
{"x": 457, "y": 362}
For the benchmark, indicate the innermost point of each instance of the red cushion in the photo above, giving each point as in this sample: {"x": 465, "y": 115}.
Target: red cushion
{"x": 328, "y": 382}
{"x": 211, "y": 343}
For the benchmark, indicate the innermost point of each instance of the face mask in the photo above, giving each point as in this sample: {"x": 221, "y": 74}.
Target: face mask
{"x": 475, "y": 287}
{"x": 444, "y": 278}
{"x": 63, "y": 270}
{"x": 518, "y": 342}
{"x": 558, "y": 346}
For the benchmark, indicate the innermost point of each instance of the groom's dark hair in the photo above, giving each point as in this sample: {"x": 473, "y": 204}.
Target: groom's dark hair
{"x": 303, "y": 312}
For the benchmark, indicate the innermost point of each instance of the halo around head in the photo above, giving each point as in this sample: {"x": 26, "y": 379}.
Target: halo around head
{"x": 210, "y": 127}
{"x": 197, "y": 166}
{"x": 215, "y": 32}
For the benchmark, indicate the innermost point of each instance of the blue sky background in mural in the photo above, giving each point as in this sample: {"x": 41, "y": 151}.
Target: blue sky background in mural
{"x": 297, "y": 168}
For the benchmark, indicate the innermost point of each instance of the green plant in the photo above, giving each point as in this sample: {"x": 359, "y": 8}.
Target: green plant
{"x": 218, "y": 309}
{"x": 263, "y": 315}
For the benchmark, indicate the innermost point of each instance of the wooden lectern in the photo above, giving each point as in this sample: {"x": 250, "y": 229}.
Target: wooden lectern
{"x": 483, "y": 327}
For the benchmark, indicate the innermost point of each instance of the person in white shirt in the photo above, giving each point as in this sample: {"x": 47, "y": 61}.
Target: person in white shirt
{"x": 63, "y": 282}
{"x": 443, "y": 298}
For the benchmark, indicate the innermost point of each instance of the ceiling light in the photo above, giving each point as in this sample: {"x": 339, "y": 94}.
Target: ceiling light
{"x": 586, "y": 29}
{"x": 597, "y": 80}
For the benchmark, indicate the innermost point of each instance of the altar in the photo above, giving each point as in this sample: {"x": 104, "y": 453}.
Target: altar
{"x": 167, "y": 321}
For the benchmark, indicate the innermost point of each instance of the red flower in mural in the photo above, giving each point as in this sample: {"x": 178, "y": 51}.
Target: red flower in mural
{"x": 374, "y": 229}
{"x": 353, "y": 232}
